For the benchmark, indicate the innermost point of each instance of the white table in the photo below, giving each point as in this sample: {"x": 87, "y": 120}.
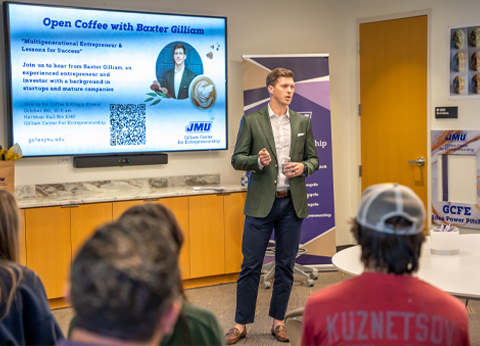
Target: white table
{"x": 458, "y": 275}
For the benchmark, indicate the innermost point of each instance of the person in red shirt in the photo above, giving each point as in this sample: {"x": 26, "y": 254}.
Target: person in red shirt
{"x": 386, "y": 305}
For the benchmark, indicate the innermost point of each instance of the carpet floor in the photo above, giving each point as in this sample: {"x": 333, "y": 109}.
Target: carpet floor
{"x": 221, "y": 300}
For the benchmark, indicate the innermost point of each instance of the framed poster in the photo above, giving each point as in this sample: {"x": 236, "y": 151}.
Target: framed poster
{"x": 464, "y": 67}
{"x": 445, "y": 208}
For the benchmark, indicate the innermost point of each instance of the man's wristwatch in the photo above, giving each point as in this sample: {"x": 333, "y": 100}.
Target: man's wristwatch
{"x": 305, "y": 170}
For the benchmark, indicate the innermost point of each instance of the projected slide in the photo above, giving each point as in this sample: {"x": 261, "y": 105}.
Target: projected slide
{"x": 87, "y": 81}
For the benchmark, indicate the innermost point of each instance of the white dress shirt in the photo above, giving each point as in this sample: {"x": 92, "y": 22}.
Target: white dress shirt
{"x": 282, "y": 135}
{"x": 177, "y": 80}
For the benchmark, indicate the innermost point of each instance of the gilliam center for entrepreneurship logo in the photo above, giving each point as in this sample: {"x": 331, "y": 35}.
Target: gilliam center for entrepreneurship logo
{"x": 199, "y": 127}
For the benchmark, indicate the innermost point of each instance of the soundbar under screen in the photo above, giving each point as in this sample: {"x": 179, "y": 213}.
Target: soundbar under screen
{"x": 87, "y": 81}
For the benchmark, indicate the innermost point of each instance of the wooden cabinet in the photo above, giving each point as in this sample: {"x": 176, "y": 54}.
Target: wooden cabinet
{"x": 54, "y": 234}
{"x": 179, "y": 207}
{"x": 85, "y": 219}
{"x": 234, "y": 219}
{"x": 48, "y": 245}
{"x": 212, "y": 225}
{"x": 119, "y": 207}
{"x": 207, "y": 236}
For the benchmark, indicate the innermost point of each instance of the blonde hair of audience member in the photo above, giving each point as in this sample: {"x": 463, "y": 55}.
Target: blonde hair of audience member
{"x": 9, "y": 246}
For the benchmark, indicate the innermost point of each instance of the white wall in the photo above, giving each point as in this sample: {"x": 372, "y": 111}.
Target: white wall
{"x": 285, "y": 27}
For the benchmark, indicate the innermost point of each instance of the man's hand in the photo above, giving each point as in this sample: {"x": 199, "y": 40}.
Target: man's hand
{"x": 293, "y": 169}
{"x": 264, "y": 157}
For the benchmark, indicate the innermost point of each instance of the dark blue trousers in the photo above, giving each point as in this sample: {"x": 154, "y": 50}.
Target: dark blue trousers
{"x": 256, "y": 235}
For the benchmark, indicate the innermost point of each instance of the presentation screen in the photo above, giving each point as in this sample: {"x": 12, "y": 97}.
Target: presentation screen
{"x": 89, "y": 81}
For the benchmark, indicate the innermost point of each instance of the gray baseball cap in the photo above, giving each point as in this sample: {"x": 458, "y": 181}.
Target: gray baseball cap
{"x": 382, "y": 201}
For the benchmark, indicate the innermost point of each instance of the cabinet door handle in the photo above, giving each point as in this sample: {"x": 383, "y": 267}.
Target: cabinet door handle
{"x": 71, "y": 206}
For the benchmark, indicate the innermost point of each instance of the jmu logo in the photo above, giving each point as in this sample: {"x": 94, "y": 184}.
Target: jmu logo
{"x": 456, "y": 137}
{"x": 199, "y": 126}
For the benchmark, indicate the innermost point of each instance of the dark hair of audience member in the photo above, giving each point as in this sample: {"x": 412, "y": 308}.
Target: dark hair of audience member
{"x": 9, "y": 249}
{"x": 390, "y": 253}
{"x": 160, "y": 213}
{"x": 125, "y": 278}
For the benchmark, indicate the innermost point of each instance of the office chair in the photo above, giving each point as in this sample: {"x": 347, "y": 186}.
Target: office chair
{"x": 293, "y": 322}
{"x": 268, "y": 269}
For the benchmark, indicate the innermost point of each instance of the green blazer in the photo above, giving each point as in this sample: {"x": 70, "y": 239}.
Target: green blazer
{"x": 256, "y": 133}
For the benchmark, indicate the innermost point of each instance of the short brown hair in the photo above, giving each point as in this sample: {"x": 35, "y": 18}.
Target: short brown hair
{"x": 178, "y": 45}
{"x": 277, "y": 73}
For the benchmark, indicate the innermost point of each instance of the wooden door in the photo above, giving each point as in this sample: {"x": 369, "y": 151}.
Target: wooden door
{"x": 393, "y": 97}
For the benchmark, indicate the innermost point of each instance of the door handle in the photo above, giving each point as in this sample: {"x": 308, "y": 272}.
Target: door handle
{"x": 420, "y": 161}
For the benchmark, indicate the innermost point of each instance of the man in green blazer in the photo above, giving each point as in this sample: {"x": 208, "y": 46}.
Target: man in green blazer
{"x": 276, "y": 145}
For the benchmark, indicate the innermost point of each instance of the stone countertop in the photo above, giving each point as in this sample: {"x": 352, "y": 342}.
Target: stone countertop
{"x": 119, "y": 195}
{"x": 75, "y": 193}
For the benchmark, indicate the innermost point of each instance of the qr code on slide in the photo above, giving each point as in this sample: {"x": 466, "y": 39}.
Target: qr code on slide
{"x": 128, "y": 124}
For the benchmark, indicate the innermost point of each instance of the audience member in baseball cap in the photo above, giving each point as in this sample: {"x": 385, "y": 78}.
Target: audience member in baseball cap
{"x": 386, "y": 305}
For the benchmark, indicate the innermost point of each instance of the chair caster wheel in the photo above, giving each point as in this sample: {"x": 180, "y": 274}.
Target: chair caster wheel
{"x": 309, "y": 283}
{"x": 266, "y": 285}
{"x": 314, "y": 276}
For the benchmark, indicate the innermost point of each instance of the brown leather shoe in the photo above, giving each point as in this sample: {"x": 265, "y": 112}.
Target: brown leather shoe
{"x": 280, "y": 333}
{"x": 234, "y": 335}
